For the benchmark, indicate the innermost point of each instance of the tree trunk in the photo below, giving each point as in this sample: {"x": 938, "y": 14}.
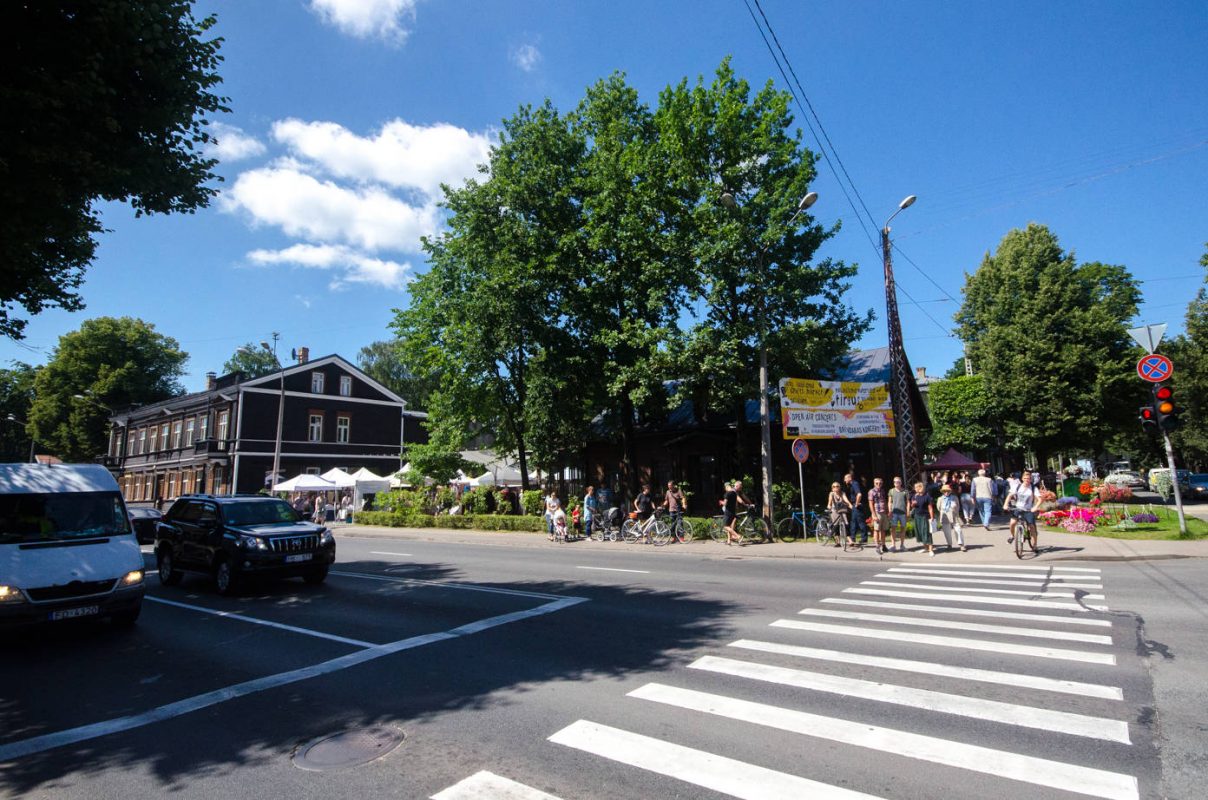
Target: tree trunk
{"x": 628, "y": 473}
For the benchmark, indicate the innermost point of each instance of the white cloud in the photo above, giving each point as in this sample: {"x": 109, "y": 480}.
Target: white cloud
{"x": 350, "y": 265}
{"x": 232, "y": 144}
{"x": 526, "y": 56}
{"x": 304, "y": 207}
{"x": 368, "y": 19}
{"x": 418, "y": 157}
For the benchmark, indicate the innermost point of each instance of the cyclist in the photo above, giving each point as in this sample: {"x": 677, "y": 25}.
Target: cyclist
{"x": 898, "y": 501}
{"x": 1025, "y": 499}
{"x": 840, "y": 510}
{"x": 878, "y": 516}
{"x": 729, "y": 506}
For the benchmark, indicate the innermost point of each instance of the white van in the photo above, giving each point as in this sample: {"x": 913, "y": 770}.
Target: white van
{"x": 66, "y": 546}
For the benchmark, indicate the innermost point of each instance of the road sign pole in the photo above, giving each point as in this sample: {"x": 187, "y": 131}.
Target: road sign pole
{"x": 1174, "y": 479}
{"x": 801, "y": 484}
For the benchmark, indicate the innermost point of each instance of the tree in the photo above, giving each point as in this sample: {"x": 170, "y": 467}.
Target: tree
{"x": 16, "y": 395}
{"x": 1189, "y": 353}
{"x": 962, "y": 415}
{"x": 435, "y": 461}
{"x": 1050, "y": 337}
{"x": 103, "y": 101}
{"x": 385, "y": 362}
{"x": 252, "y": 360}
{"x": 110, "y": 363}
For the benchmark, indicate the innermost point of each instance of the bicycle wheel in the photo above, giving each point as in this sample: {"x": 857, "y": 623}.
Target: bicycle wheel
{"x": 788, "y": 529}
{"x": 631, "y": 531}
{"x": 1021, "y": 533}
{"x": 680, "y": 531}
{"x": 822, "y": 531}
{"x": 660, "y": 533}
{"x": 754, "y": 529}
{"x": 717, "y": 530}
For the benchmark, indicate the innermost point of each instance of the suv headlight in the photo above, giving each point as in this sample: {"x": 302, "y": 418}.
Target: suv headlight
{"x": 252, "y": 542}
{"x": 11, "y": 594}
{"x": 326, "y": 537}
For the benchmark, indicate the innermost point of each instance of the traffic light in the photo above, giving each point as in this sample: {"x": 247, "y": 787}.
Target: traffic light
{"x": 1165, "y": 410}
{"x": 1148, "y": 417}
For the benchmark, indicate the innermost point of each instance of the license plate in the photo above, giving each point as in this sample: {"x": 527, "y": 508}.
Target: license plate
{"x": 294, "y": 559}
{"x": 71, "y": 613}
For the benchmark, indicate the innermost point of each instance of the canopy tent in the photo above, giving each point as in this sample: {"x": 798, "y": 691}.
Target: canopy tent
{"x": 364, "y": 474}
{"x": 305, "y": 483}
{"x": 952, "y": 460}
{"x": 502, "y": 475}
{"x": 340, "y": 478}
{"x": 366, "y": 482}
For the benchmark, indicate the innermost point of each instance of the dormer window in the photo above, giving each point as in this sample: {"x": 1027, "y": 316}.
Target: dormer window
{"x": 317, "y": 382}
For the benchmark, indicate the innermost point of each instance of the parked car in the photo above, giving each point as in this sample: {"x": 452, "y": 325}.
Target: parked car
{"x": 1126, "y": 478}
{"x": 144, "y": 522}
{"x": 1199, "y": 486}
{"x": 1184, "y": 478}
{"x": 234, "y": 538}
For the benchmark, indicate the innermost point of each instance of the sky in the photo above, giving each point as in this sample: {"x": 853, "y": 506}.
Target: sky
{"x": 347, "y": 115}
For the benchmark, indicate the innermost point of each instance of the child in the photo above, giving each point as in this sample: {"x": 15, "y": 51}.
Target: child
{"x": 560, "y": 525}
{"x": 575, "y": 521}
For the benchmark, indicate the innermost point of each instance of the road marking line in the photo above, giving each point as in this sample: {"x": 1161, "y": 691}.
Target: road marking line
{"x": 1056, "y": 580}
{"x": 255, "y": 621}
{"x": 942, "y": 577}
{"x": 386, "y": 553}
{"x": 984, "y": 600}
{"x": 614, "y": 569}
{"x": 928, "y": 668}
{"x": 698, "y": 767}
{"x": 1019, "y": 592}
{"x": 1013, "y": 766}
{"x": 950, "y": 641}
{"x": 958, "y": 705}
{"x": 1000, "y": 566}
{"x": 971, "y": 612}
{"x": 49, "y": 741}
{"x": 468, "y": 587}
{"x": 489, "y": 786}
{"x": 924, "y": 622}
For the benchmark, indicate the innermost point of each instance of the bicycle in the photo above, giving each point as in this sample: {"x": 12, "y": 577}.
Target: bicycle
{"x": 653, "y": 530}
{"x": 751, "y": 527}
{"x": 1022, "y": 532}
{"x": 837, "y": 534}
{"x": 681, "y": 531}
{"x": 798, "y": 526}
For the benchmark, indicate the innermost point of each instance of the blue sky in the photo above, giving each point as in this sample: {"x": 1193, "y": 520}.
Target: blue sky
{"x": 1091, "y": 118}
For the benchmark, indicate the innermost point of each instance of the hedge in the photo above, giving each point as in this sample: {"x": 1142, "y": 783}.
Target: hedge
{"x": 482, "y": 522}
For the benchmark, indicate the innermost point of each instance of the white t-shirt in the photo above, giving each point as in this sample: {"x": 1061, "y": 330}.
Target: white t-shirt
{"x": 1025, "y": 497}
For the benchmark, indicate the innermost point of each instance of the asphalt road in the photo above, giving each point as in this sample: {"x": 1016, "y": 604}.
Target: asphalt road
{"x": 620, "y": 672}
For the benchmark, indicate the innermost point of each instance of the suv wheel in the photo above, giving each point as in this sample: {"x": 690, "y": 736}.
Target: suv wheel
{"x": 168, "y": 574}
{"x": 316, "y": 575}
{"x": 224, "y": 577}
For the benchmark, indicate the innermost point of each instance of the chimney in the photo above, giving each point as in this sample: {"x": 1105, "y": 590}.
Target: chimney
{"x": 920, "y": 373}
{"x": 211, "y": 381}
{"x": 303, "y": 355}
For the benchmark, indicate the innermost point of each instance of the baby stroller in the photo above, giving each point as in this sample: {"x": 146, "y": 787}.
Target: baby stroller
{"x": 606, "y": 527}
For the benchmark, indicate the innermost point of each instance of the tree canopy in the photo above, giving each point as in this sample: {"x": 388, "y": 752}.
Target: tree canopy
{"x": 1049, "y": 336}
{"x": 386, "y": 363}
{"x": 16, "y": 396}
{"x": 962, "y": 415}
{"x": 103, "y": 101}
{"x": 109, "y": 363}
{"x": 1189, "y": 353}
{"x": 251, "y": 360}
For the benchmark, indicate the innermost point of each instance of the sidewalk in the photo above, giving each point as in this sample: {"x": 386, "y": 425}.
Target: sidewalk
{"x": 985, "y": 547}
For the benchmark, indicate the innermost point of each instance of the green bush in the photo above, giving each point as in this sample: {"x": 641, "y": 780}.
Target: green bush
{"x": 482, "y": 522}
{"x": 532, "y": 502}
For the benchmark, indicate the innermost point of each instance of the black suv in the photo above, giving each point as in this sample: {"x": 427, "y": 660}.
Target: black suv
{"x": 240, "y": 536}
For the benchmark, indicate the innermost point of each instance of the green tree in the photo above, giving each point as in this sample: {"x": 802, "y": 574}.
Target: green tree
{"x": 103, "y": 101}
{"x": 109, "y": 363}
{"x": 16, "y": 396}
{"x": 251, "y": 360}
{"x": 1189, "y": 353}
{"x": 436, "y": 461}
{"x": 962, "y": 415}
{"x": 1050, "y": 337}
{"x": 385, "y": 362}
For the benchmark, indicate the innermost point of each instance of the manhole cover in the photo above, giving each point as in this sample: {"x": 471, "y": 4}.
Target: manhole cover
{"x": 348, "y": 749}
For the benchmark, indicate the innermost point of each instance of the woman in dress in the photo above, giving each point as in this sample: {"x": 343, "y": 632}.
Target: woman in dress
{"x": 922, "y": 512}
{"x": 840, "y": 509}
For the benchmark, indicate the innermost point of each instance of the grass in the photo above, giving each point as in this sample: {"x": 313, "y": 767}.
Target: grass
{"x": 1167, "y": 527}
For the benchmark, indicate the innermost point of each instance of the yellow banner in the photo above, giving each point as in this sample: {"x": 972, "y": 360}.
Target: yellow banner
{"x": 812, "y": 409}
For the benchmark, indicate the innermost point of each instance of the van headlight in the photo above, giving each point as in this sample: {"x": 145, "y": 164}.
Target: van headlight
{"x": 11, "y": 594}
{"x": 252, "y": 542}
{"x": 133, "y": 578}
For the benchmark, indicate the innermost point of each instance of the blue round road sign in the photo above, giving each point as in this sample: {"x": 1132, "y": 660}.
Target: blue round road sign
{"x": 801, "y": 450}
{"x": 1155, "y": 368}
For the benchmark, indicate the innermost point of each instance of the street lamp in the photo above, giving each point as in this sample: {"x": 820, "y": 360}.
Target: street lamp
{"x": 32, "y": 441}
{"x": 899, "y": 372}
{"x": 765, "y": 424}
{"x": 280, "y": 402}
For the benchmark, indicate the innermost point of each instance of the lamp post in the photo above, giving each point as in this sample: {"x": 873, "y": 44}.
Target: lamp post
{"x": 280, "y": 402}
{"x": 765, "y": 425}
{"x": 12, "y": 418}
{"x": 899, "y": 371}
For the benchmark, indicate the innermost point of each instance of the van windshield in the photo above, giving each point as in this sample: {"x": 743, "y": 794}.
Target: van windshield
{"x": 68, "y": 515}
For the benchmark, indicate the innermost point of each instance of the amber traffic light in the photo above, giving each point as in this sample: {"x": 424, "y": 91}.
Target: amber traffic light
{"x": 1166, "y": 412}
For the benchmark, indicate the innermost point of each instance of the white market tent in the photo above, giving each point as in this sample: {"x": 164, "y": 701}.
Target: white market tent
{"x": 366, "y": 482}
{"x": 502, "y": 475}
{"x": 305, "y": 483}
{"x": 340, "y": 478}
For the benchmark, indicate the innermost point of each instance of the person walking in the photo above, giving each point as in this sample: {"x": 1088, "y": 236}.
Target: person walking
{"x": 968, "y": 509}
{"x": 899, "y": 501}
{"x": 983, "y": 495}
{"x": 552, "y": 505}
{"x": 590, "y": 508}
{"x": 878, "y": 514}
{"x": 840, "y": 508}
{"x": 950, "y": 518}
{"x": 729, "y": 512}
{"x": 922, "y": 513}
{"x": 855, "y": 496}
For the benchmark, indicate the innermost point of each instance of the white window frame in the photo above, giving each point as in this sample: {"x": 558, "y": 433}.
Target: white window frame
{"x": 177, "y": 428}
{"x": 163, "y": 436}
{"x": 154, "y": 438}
{"x": 203, "y": 427}
{"x": 142, "y": 441}
{"x": 318, "y": 382}
{"x": 345, "y": 386}
{"x": 312, "y": 470}
{"x": 343, "y": 429}
{"x": 149, "y": 491}
{"x": 130, "y": 440}
{"x": 190, "y": 428}
{"x": 224, "y": 418}
{"x": 172, "y": 485}
{"x": 313, "y": 433}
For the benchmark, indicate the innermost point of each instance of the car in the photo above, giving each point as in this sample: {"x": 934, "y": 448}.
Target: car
{"x": 1184, "y": 478}
{"x": 1126, "y": 478}
{"x": 1199, "y": 486}
{"x": 144, "y": 522}
{"x": 235, "y": 538}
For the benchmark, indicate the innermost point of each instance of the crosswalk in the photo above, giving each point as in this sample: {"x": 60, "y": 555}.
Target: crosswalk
{"x": 919, "y": 681}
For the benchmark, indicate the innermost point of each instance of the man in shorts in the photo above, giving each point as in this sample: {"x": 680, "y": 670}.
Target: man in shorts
{"x": 878, "y": 514}
{"x": 899, "y": 500}
{"x": 729, "y": 512}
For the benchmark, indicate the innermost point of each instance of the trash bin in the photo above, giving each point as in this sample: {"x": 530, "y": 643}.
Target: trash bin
{"x": 1069, "y": 487}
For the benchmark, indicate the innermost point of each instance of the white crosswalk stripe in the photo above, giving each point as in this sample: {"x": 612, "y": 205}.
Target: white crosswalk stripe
{"x": 1056, "y": 580}
{"x": 489, "y": 786}
{"x": 974, "y": 590}
{"x": 1012, "y": 568}
{"x": 973, "y": 598}
{"x": 970, "y": 612}
{"x": 944, "y": 577}
{"x": 921, "y": 622}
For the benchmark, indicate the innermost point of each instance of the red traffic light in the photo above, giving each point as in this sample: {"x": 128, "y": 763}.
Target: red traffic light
{"x": 1163, "y": 393}
{"x": 1147, "y": 414}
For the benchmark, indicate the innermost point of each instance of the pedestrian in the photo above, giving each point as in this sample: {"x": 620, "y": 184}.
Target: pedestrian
{"x": 855, "y": 495}
{"x": 950, "y": 518}
{"x": 590, "y": 507}
{"x": 840, "y": 508}
{"x": 899, "y": 500}
{"x": 922, "y": 513}
{"x": 966, "y": 498}
{"x": 318, "y": 509}
{"x": 729, "y": 512}
{"x": 878, "y": 513}
{"x": 643, "y": 504}
{"x": 983, "y": 495}
{"x": 552, "y": 504}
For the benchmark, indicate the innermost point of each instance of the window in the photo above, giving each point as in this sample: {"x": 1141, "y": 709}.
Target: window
{"x": 130, "y": 444}
{"x": 342, "y": 426}
{"x": 172, "y": 483}
{"x": 223, "y": 416}
{"x": 163, "y": 436}
{"x": 312, "y": 470}
{"x": 176, "y": 426}
{"x": 217, "y": 485}
{"x": 189, "y": 427}
{"x": 149, "y": 489}
{"x": 186, "y": 482}
{"x": 203, "y": 427}
{"x": 317, "y": 380}
{"x": 199, "y": 480}
{"x": 345, "y": 386}
{"x": 142, "y": 440}
{"x": 316, "y": 428}
{"x": 154, "y": 438}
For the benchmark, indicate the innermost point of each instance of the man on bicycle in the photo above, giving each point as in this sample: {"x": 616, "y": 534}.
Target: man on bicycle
{"x": 1025, "y": 499}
